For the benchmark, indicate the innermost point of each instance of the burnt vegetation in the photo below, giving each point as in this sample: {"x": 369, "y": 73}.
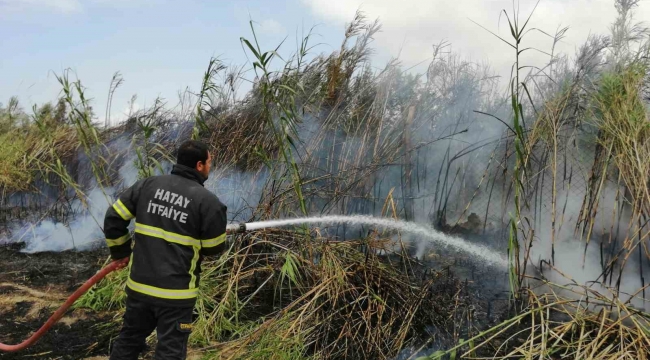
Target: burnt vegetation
{"x": 554, "y": 175}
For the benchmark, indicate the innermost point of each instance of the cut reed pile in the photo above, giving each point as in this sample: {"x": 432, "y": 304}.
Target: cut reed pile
{"x": 287, "y": 295}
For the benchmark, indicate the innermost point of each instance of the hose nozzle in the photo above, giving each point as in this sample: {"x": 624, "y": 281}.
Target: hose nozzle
{"x": 236, "y": 228}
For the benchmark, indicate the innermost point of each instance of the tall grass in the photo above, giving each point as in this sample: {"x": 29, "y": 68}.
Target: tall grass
{"x": 336, "y": 136}
{"x": 280, "y": 111}
{"x": 522, "y": 152}
{"x": 559, "y": 319}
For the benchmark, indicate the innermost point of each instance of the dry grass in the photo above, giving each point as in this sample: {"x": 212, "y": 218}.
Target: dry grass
{"x": 291, "y": 296}
{"x": 296, "y": 294}
{"x": 27, "y": 151}
{"x": 564, "y": 321}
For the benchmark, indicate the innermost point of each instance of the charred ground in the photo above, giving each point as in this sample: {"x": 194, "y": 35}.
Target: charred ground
{"x": 32, "y": 286}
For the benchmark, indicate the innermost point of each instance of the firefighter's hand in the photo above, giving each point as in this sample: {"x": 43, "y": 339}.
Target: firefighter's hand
{"x": 122, "y": 263}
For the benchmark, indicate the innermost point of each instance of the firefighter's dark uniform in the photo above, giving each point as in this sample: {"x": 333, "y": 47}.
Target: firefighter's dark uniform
{"x": 178, "y": 221}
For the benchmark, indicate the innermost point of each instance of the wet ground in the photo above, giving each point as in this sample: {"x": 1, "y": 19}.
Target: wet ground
{"x": 33, "y": 286}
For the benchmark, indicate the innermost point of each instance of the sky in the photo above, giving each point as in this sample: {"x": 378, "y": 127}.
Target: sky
{"x": 161, "y": 47}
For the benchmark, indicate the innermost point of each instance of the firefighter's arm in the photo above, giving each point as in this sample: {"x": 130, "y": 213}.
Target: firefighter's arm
{"x": 117, "y": 219}
{"x": 213, "y": 228}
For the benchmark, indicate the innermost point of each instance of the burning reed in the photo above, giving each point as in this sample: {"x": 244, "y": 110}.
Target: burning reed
{"x": 557, "y": 183}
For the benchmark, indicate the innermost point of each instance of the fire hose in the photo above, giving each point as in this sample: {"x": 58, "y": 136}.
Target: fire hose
{"x": 113, "y": 266}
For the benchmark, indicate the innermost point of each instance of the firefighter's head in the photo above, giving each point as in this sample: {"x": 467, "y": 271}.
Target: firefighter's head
{"x": 195, "y": 154}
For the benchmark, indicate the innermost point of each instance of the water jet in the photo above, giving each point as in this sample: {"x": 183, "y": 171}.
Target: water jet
{"x": 480, "y": 252}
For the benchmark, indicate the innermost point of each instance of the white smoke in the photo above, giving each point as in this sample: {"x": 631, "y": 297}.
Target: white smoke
{"x": 240, "y": 191}
{"x": 575, "y": 266}
{"x": 129, "y": 172}
{"x": 84, "y": 231}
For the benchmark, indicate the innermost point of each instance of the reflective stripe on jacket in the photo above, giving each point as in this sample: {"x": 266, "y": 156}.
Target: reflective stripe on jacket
{"x": 177, "y": 223}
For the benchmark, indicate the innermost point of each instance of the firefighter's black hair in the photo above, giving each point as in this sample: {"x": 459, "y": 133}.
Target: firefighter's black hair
{"x": 191, "y": 152}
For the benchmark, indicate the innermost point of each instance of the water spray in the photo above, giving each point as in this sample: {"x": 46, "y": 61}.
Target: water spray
{"x": 480, "y": 252}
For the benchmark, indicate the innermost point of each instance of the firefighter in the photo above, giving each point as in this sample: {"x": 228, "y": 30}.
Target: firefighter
{"x": 177, "y": 223}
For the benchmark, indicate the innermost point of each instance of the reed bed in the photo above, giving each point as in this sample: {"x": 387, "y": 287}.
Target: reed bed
{"x": 328, "y": 134}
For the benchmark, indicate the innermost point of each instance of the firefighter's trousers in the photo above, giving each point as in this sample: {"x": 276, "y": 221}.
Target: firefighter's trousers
{"x": 172, "y": 325}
